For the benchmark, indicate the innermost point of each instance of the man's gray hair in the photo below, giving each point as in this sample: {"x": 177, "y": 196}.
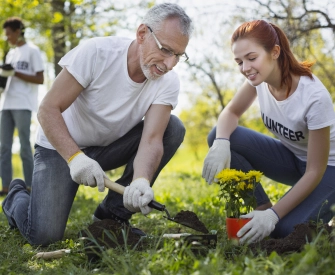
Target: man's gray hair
{"x": 158, "y": 13}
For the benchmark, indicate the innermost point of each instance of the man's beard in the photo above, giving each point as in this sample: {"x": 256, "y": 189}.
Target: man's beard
{"x": 146, "y": 68}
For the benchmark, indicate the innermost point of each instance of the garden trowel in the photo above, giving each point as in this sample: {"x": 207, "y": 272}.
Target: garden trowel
{"x": 153, "y": 204}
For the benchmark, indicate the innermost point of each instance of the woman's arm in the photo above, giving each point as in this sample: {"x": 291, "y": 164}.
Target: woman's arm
{"x": 228, "y": 119}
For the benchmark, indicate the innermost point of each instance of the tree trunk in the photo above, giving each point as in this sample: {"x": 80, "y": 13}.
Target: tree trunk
{"x": 58, "y": 35}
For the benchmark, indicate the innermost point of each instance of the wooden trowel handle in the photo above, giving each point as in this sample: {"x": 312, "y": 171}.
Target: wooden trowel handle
{"x": 118, "y": 188}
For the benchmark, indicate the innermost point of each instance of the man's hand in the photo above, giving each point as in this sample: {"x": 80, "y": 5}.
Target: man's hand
{"x": 138, "y": 195}
{"x": 87, "y": 171}
{"x": 7, "y": 70}
{"x": 217, "y": 159}
{"x": 261, "y": 225}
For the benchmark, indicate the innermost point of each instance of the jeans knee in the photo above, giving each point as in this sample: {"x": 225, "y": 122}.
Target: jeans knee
{"x": 211, "y": 137}
{"x": 175, "y": 130}
{"x": 44, "y": 238}
{"x": 282, "y": 230}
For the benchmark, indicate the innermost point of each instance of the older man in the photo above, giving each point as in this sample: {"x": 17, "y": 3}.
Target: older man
{"x": 92, "y": 121}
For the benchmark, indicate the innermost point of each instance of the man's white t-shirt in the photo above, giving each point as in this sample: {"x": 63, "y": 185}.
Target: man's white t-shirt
{"x": 310, "y": 107}
{"x": 111, "y": 103}
{"x": 20, "y": 94}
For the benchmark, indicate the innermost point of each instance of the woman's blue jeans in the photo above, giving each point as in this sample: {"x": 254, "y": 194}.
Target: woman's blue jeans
{"x": 42, "y": 215}
{"x": 11, "y": 119}
{"x": 251, "y": 150}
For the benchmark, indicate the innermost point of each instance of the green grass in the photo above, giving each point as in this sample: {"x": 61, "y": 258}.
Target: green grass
{"x": 179, "y": 187}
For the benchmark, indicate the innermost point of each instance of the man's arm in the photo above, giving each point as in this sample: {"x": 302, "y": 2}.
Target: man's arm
{"x": 138, "y": 195}
{"x": 151, "y": 150}
{"x": 63, "y": 92}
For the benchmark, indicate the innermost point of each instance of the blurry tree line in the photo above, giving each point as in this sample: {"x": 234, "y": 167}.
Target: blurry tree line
{"x": 212, "y": 77}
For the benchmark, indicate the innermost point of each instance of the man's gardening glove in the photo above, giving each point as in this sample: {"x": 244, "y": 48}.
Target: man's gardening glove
{"x": 6, "y": 70}
{"x": 86, "y": 171}
{"x": 138, "y": 195}
{"x": 217, "y": 159}
{"x": 261, "y": 225}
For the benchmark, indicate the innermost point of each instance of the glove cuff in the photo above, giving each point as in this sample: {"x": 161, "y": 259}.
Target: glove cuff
{"x": 221, "y": 142}
{"x": 141, "y": 180}
{"x": 273, "y": 216}
{"x": 73, "y": 156}
{"x": 275, "y": 213}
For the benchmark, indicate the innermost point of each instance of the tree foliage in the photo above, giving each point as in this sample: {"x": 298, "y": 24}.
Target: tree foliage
{"x": 57, "y": 26}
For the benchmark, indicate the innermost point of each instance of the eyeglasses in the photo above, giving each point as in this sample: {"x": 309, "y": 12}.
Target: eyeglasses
{"x": 166, "y": 52}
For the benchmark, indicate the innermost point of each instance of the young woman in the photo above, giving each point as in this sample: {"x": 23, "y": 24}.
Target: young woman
{"x": 297, "y": 108}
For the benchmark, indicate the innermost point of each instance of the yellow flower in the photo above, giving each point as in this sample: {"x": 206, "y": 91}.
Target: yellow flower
{"x": 241, "y": 185}
{"x": 227, "y": 175}
{"x": 250, "y": 186}
{"x": 256, "y": 174}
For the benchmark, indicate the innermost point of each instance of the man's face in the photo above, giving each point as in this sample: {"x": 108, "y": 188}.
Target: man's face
{"x": 153, "y": 62}
{"x": 12, "y": 36}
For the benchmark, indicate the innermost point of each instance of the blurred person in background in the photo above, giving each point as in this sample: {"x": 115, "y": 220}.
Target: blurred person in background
{"x": 19, "y": 100}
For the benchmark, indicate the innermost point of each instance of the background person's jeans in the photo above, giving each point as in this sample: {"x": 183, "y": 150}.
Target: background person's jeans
{"x": 251, "y": 150}
{"x": 11, "y": 119}
{"x": 42, "y": 216}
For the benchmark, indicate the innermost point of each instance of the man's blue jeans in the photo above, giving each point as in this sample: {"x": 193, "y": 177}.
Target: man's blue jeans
{"x": 11, "y": 119}
{"x": 251, "y": 150}
{"x": 42, "y": 216}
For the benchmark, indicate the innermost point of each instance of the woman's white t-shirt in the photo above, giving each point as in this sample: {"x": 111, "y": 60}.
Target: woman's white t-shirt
{"x": 111, "y": 103}
{"x": 310, "y": 107}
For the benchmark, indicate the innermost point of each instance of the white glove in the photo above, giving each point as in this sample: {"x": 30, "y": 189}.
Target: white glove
{"x": 7, "y": 70}
{"x": 218, "y": 158}
{"x": 87, "y": 171}
{"x": 138, "y": 195}
{"x": 261, "y": 225}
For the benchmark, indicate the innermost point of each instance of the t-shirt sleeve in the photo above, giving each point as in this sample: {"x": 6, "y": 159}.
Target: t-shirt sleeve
{"x": 169, "y": 93}
{"x": 80, "y": 62}
{"x": 37, "y": 61}
{"x": 321, "y": 113}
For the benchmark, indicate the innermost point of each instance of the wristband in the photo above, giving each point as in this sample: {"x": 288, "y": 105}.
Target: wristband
{"x": 73, "y": 156}
{"x": 275, "y": 213}
{"x": 223, "y": 138}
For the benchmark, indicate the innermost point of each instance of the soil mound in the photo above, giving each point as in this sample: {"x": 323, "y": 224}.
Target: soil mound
{"x": 294, "y": 242}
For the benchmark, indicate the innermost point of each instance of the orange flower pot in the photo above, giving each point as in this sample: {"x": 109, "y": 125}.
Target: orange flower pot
{"x": 233, "y": 225}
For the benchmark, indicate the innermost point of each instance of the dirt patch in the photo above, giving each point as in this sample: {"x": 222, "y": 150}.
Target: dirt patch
{"x": 294, "y": 242}
{"x": 106, "y": 234}
{"x": 190, "y": 219}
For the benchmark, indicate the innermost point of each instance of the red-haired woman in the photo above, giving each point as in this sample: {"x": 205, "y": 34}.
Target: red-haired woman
{"x": 297, "y": 108}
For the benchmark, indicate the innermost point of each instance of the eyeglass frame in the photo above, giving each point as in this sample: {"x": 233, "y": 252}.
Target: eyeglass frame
{"x": 166, "y": 51}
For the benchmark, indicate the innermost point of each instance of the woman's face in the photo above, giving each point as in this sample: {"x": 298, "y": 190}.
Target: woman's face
{"x": 254, "y": 62}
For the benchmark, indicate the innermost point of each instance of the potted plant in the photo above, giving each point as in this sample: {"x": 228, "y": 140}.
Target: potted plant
{"x": 237, "y": 190}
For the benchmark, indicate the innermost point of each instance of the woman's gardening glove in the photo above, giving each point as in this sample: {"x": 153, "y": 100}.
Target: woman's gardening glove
{"x": 261, "y": 225}
{"x": 217, "y": 159}
{"x": 86, "y": 171}
{"x": 138, "y": 195}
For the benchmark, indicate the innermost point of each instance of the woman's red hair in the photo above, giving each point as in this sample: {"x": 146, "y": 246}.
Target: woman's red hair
{"x": 268, "y": 35}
